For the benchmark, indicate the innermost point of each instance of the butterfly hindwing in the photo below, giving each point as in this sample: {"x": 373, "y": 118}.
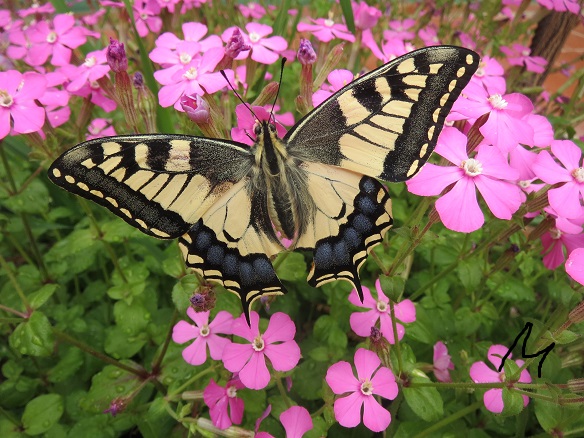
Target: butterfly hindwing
{"x": 160, "y": 184}
{"x": 233, "y": 242}
{"x": 386, "y": 123}
{"x": 352, "y": 214}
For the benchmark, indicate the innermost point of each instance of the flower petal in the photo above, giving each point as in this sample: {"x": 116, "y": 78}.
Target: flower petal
{"x": 405, "y": 311}
{"x": 296, "y": 421}
{"x": 280, "y": 328}
{"x": 366, "y": 362}
{"x": 493, "y": 400}
{"x": 568, "y": 153}
{"x": 368, "y": 300}
{"x": 348, "y": 409}
{"x": 459, "y": 209}
{"x": 575, "y": 265}
{"x": 384, "y": 384}
{"x": 566, "y": 200}
{"x": 375, "y": 417}
{"x": 481, "y": 373}
{"x": 548, "y": 170}
{"x": 502, "y": 198}
{"x": 217, "y": 345}
{"x": 255, "y": 374}
{"x": 341, "y": 379}
{"x": 361, "y": 322}
{"x": 196, "y": 353}
{"x": 283, "y": 356}
{"x": 183, "y": 332}
{"x": 235, "y": 356}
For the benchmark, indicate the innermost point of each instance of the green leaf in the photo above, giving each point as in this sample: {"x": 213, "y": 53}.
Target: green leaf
{"x": 121, "y": 344}
{"x": 292, "y": 268}
{"x": 469, "y": 273}
{"x": 393, "y": 287}
{"x": 512, "y": 402}
{"x": 566, "y": 337}
{"x": 40, "y": 297}
{"x": 34, "y": 199}
{"x": 466, "y": 321}
{"x": 310, "y": 385}
{"x": 41, "y": 413}
{"x": 8, "y": 429}
{"x": 510, "y": 289}
{"x": 319, "y": 428}
{"x": 348, "y": 14}
{"x": 133, "y": 283}
{"x": 278, "y": 405}
{"x": 67, "y": 366}
{"x": 109, "y": 384}
{"x": 33, "y": 337}
{"x": 425, "y": 402}
{"x": 156, "y": 422}
{"x": 255, "y": 401}
{"x": 327, "y": 330}
{"x": 548, "y": 414}
{"x": 131, "y": 319}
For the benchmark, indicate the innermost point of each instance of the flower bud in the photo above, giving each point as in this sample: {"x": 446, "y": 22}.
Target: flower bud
{"x": 138, "y": 80}
{"x": 116, "y": 56}
{"x": 196, "y": 108}
{"x": 203, "y": 299}
{"x": 116, "y": 406}
{"x": 577, "y": 314}
{"x": 236, "y": 45}
{"x": 306, "y": 54}
{"x": 576, "y": 385}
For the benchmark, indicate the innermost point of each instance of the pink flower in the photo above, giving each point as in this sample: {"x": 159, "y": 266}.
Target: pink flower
{"x": 337, "y": 80}
{"x": 561, "y": 5}
{"x": 399, "y": 30}
{"x": 481, "y": 373}
{"x": 94, "y": 93}
{"x": 429, "y": 36}
{"x": 205, "y": 335}
{"x": 17, "y": 102}
{"x": 170, "y": 50}
{"x": 575, "y": 265}
{"x": 366, "y": 16}
{"x": 296, "y": 421}
{"x": 379, "y": 310}
{"x": 371, "y": 380}
{"x": 491, "y": 74}
{"x": 277, "y": 343}
{"x": 93, "y": 68}
{"x": 246, "y": 122}
{"x": 566, "y": 199}
{"x": 100, "y": 128}
{"x": 55, "y": 40}
{"x": 225, "y": 408}
{"x": 55, "y": 100}
{"x": 264, "y": 49}
{"x": 487, "y": 171}
{"x": 326, "y": 30}
{"x": 252, "y": 10}
{"x": 518, "y": 54}
{"x": 442, "y": 362}
{"x": 506, "y": 126}
{"x": 35, "y": 9}
{"x": 567, "y": 233}
{"x": 146, "y": 17}
{"x": 195, "y": 77}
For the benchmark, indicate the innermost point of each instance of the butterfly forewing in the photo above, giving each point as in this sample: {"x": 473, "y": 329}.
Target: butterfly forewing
{"x": 161, "y": 184}
{"x": 386, "y": 123}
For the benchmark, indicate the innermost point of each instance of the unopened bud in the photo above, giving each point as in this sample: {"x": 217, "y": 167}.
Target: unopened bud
{"x": 330, "y": 63}
{"x": 577, "y": 314}
{"x": 116, "y": 56}
{"x": 196, "y": 108}
{"x": 203, "y": 299}
{"x": 576, "y": 385}
{"x": 267, "y": 95}
{"x": 138, "y": 80}
{"x": 236, "y": 45}
{"x": 306, "y": 54}
{"x": 116, "y": 406}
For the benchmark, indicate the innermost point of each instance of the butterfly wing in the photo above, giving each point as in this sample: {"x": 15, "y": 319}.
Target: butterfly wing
{"x": 233, "y": 242}
{"x": 385, "y": 124}
{"x": 160, "y": 184}
{"x": 352, "y": 214}
{"x": 194, "y": 188}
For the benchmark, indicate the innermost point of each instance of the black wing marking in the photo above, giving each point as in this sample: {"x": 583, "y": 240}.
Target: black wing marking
{"x": 161, "y": 184}
{"x": 386, "y": 123}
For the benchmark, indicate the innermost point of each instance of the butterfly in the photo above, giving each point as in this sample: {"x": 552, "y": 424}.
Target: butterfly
{"x": 317, "y": 186}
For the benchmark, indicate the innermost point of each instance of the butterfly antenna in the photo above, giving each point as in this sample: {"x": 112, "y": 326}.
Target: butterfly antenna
{"x": 237, "y": 94}
{"x": 279, "y": 86}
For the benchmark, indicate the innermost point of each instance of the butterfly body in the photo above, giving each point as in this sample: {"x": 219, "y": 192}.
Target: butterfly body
{"x": 316, "y": 187}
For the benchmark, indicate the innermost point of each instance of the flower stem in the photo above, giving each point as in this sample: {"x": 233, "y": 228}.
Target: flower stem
{"x": 451, "y": 418}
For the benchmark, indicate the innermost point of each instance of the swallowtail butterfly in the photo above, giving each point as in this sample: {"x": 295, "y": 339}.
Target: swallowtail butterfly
{"x": 317, "y": 186}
